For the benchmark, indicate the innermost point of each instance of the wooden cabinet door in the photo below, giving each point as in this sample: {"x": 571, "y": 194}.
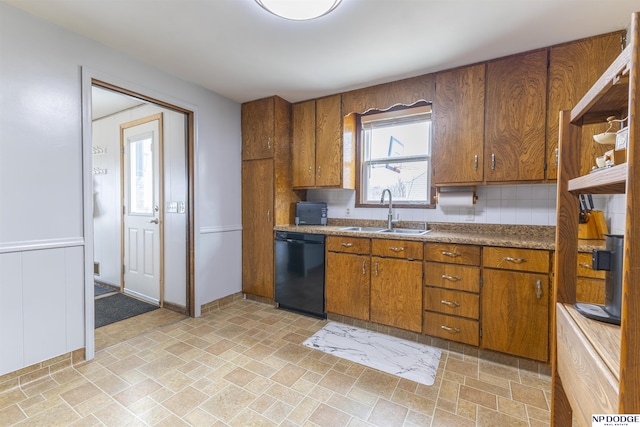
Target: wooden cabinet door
{"x": 347, "y": 289}
{"x": 329, "y": 141}
{"x": 258, "y": 129}
{"x": 515, "y": 114}
{"x": 573, "y": 69}
{"x": 458, "y": 134}
{"x": 515, "y": 313}
{"x": 304, "y": 144}
{"x": 396, "y": 293}
{"x": 257, "y": 227}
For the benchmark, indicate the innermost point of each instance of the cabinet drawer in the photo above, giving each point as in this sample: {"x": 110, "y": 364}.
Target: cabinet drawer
{"x": 516, "y": 259}
{"x": 352, "y": 245}
{"x": 590, "y": 290}
{"x": 396, "y": 248}
{"x": 451, "y": 328}
{"x": 454, "y": 254}
{"x": 452, "y": 302}
{"x": 452, "y": 276}
{"x": 585, "y": 269}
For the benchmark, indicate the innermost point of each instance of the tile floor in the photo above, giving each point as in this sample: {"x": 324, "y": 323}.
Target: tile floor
{"x": 244, "y": 365}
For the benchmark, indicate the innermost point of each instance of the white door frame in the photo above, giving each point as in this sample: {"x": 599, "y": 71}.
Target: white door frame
{"x": 89, "y": 78}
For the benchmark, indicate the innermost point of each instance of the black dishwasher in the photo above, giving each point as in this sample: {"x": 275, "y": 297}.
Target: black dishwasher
{"x": 300, "y": 273}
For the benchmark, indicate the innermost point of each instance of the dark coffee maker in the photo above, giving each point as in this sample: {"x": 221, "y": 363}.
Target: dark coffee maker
{"x": 610, "y": 260}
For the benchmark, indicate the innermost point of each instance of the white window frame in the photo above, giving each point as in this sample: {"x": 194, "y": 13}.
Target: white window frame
{"x": 390, "y": 118}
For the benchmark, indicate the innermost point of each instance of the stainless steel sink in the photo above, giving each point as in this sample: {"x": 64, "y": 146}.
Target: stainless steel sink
{"x": 410, "y": 231}
{"x": 365, "y": 229}
{"x": 405, "y": 231}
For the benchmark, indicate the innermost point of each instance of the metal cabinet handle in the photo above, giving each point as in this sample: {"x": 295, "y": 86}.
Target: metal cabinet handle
{"x": 475, "y": 162}
{"x": 585, "y": 265}
{"x": 448, "y": 329}
{"x": 400, "y": 249}
{"x": 493, "y": 162}
{"x": 268, "y": 215}
{"x": 346, "y": 245}
{"x": 319, "y": 167}
{"x": 310, "y": 171}
{"x": 154, "y": 221}
{"x": 539, "y": 290}
{"x": 364, "y": 267}
{"x": 376, "y": 269}
{"x": 516, "y": 260}
{"x": 451, "y": 254}
{"x": 557, "y": 156}
{"x": 269, "y": 143}
{"x": 450, "y": 303}
{"x": 452, "y": 278}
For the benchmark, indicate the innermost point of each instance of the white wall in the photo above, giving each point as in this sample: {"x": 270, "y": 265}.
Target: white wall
{"x": 42, "y": 234}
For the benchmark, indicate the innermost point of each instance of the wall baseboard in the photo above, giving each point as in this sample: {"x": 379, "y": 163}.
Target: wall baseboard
{"x": 40, "y": 370}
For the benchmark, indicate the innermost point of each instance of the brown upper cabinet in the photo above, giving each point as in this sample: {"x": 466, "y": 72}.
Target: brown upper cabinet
{"x": 458, "y": 118}
{"x": 319, "y": 158}
{"x": 573, "y": 68}
{"x": 267, "y": 197}
{"x": 258, "y": 127}
{"x": 516, "y": 94}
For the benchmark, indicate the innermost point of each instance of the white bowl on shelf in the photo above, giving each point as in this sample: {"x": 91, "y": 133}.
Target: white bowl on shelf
{"x": 605, "y": 138}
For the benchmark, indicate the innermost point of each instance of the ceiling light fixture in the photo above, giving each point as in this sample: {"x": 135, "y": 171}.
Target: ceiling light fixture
{"x": 299, "y": 10}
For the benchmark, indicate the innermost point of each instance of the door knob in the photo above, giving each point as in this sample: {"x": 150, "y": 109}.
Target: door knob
{"x": 154, "y": 221}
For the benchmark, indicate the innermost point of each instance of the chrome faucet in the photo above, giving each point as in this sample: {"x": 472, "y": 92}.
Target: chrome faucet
{"x": 390, "y": 216}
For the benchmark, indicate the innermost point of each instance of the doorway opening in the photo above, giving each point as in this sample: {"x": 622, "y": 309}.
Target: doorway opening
{"x": 142, "y": 167}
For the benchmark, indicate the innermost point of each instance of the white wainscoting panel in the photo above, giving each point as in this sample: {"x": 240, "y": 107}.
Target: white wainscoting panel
{"x": 11, "y": 338}
{"x": 41, "y": 305}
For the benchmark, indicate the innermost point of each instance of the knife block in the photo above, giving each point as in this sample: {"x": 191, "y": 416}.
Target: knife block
{"x": 594, "y": 226}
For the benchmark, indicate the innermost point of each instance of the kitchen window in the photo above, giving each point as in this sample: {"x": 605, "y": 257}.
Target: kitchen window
{"x": 395, "y": 153}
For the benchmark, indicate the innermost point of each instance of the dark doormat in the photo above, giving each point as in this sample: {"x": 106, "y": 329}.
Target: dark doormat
{"x": 101, "y": 290}
{"x": 119, "y": 307}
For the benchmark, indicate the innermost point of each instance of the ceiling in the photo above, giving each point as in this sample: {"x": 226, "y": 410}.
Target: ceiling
{"x": 236, "y": 49}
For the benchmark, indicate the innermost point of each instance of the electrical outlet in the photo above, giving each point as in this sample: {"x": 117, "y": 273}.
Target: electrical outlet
{"x": 470, "y": 214}
{"x": 348, "y": 212}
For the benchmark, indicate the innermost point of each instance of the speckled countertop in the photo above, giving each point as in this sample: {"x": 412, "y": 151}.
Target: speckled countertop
{"x": 514, "y": 236}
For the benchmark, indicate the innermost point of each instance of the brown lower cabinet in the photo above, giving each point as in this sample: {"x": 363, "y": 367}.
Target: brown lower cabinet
{"x": 490, "y": 297}
{"x": 515, "y": 302}
{"x": 348, "y": 276}
{"x": 452, "y": 292}
{"x": 375, "y": 280}
{"x": 590, "y": 282}
{"x": 396, "y": 297}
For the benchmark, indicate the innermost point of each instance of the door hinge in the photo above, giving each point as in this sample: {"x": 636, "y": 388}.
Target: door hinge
{"x": 481, "y": 281}
{"x": 122, "y": 150}
{"x": 123, "y": 268}
{"x": 480, "y": 332}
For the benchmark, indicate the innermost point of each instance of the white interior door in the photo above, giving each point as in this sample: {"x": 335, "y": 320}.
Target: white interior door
{"x": 142, "y": 213}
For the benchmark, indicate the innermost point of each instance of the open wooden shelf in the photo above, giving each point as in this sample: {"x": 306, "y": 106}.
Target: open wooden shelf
{"x": 609, "y": 95}
{"x": 595, "y": 365}
{"x": 603, "y": 337}
{"x": 608, "y": 181}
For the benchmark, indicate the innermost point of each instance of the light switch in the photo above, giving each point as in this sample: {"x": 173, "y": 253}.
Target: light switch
{"x": 172, "y": 207}
{"x": 181, "y": 207}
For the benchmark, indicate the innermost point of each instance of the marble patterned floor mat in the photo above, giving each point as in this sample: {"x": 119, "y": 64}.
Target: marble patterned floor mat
{"x": 406, "y": 359}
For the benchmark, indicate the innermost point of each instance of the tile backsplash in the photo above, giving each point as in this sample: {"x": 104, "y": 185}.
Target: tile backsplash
{"x": 522, "y": 204}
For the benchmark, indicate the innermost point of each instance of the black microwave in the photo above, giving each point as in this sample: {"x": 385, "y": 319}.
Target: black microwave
{"x": 311, "y": 213}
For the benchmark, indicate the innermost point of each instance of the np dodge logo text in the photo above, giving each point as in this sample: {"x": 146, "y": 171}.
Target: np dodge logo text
{"x": 615, "y": 418}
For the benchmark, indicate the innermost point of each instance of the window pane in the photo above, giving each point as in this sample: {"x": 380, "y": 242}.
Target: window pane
{"x": 408, "y": 181}
{"x": 141, "y": 176}
{"x": 400, "y": 140}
